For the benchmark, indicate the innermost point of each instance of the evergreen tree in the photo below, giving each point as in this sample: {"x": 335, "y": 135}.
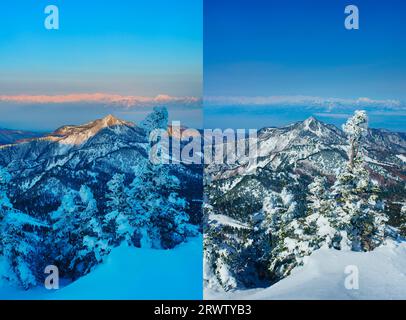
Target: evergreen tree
{"x": 64, "y": 237}
{"x": 316, "y": 225}
{"x": 357, "y": 212}
{"x": 143, "y": 201}
{"x": 77, "y": 235}
{"x": 287, "y": 250}
{"x": 93, "y": 245}
{"x": 220, "y": 258}
{"x": 402, "y": 227}
{"x": 160, "y": 217}
{"x": 170, "y": 216}
{"x": 119, "y": 211}
{"x": 18, "y": 246}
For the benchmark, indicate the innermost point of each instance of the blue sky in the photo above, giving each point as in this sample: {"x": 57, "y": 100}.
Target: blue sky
{"x": 122, "y": 47}
{"x": 300, "y": 48}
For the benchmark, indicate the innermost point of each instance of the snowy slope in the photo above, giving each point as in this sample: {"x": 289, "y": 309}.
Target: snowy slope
{"x": 382, "y": 275}
{"x": 228, "y": 221}
{"x": 132, "y": 273}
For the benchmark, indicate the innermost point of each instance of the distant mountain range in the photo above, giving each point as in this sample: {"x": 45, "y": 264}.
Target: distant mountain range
{"x": 9, "y": 136}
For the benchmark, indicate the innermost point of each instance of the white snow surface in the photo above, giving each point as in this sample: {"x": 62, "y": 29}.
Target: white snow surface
{"x": 132, "y": 273}
{"x": 401, "y": 157}
{"x": 226, "y": 220}
{"x": 382, "y": 275}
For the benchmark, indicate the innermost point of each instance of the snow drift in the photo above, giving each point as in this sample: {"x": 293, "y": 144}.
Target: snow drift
{"x": 382, "y": 275}
{"x": 132, "y": 273}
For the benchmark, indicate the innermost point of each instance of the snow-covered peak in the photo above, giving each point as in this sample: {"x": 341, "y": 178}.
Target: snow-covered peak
{"x": 310, "y": 120}
{"x": 318, "y": 128}
{"x": 312, "y": 124}
{"x": 75, "y": 135}
{"x": 111, "y": 120}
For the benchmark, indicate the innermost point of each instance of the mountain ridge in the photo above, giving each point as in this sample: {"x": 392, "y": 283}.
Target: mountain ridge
{"x": 44, "y": 168}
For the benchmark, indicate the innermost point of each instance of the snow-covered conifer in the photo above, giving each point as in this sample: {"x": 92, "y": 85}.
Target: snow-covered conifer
{"x": 17, "y": 246}
{"x": 77, "y": 239}
{"x": 402, "y": 226}
{"x": 358, "y": 213}
{"x": 118, "y": 211}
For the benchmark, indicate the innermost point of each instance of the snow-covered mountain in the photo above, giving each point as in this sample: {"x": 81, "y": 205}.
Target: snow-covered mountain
{"x": 253, "y": 207}
{"x": 9, "y": 136}
{"x": 302, "y": 151}
{"x": 312, "y": 145}
{"x": 89, "y": 188}
{"x": 43, "y": 168}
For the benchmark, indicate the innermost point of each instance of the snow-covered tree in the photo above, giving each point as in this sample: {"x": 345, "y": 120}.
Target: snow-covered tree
{"x": 225, "y": 258}
{"x": 160, "y": 213}
{"x": 158, "y": 119}
{"x": 141, "y": 196}
{"x": 77, "y": 238}
{"x": 316, "y": 225}
{"x": 64, "y": 237}
{"x": 273, "y": 210}
{"x": 217, "y": 260}
{"x": 160, "y": 216}
{"x": 118, "y": 211}
{"x": 402, "y": 226}
{"x": 17, "y": 245}
{"x": 94, "y": 245}
{"x": 5, "y": 203}
{"x": 358, "y": 213}
{"x": 149, "y": 212}
{"x": 171, "y": 217}
{"x": 287, "y": 250}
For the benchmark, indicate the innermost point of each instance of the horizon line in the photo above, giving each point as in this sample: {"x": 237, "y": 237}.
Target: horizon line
{"x": 127, "y": 101}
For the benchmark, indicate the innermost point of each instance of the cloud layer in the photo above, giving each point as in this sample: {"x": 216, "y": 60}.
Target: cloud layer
{"x": 305, "y": 101}
{"x": 102, "y": 98}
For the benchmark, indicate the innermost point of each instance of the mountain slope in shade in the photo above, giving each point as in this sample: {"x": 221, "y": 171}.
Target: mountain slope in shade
{"x": 9, "y": 136}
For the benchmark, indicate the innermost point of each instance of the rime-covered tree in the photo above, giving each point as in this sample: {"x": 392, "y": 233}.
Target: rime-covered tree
{"x": 77, "y": 238}
{"x": 160, "y": 218}
{"x": 93, "y": 245}
{"x": 316, "y": 225}
{"x": 223, "y": 258}
{"x": 5, "y": 204}
{"x": 402, "y": 227}
{"x": 64, "y": 237}
{"x": 170, "y": 216}
{"x": 118, "y": 211}
{"x": 358, "y": 212}
{"x": 273, "y": 210}
{"x": 287, "y": 250}
{"x": 18, "y": 246}
{"x": 141, "y": 196}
